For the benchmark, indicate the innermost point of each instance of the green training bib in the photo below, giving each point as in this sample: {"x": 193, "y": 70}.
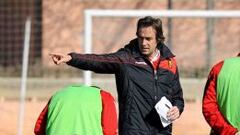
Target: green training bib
{"x": 228, "y": 91}
{"x": 75, "y": 110}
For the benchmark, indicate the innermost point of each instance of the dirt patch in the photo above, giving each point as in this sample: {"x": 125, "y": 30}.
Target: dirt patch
{"x": 190, "y": 123}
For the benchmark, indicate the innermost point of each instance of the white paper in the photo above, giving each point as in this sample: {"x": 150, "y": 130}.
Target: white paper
{"x": 162, "y": 108}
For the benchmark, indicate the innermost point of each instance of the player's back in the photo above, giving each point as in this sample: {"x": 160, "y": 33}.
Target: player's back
{"x": 75, "y": 110}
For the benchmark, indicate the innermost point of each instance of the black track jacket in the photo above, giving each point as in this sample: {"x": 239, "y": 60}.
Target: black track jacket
{"x": 139, "y": 87}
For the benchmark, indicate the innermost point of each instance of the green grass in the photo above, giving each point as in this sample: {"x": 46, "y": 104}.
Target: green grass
{"x": 43, "y": 88}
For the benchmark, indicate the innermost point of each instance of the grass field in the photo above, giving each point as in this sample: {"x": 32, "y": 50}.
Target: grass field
{"x": 45, "y": 87}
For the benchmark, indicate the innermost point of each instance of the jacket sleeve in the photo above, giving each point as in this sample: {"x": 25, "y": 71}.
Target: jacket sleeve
{"x": 41, "y": 122}
{"x": 177, "y": 93}
{"x": 104, "y": 63}
{"x": 210, "y": 108}
{"x": 109, "y": 114}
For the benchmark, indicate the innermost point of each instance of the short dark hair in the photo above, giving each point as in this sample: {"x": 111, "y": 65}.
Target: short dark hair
{"x": 156, "y": 23}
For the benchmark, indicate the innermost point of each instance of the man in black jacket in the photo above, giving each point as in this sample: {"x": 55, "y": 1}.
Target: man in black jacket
{"x": 145, "y": 71}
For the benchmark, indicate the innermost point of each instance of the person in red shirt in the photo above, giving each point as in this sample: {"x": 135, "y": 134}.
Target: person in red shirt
{"x": 108, "y": 115}
{"x": 220, "y": 105}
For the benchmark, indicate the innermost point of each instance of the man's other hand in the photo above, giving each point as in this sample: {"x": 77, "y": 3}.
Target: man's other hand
{"x": 173, "y": 113}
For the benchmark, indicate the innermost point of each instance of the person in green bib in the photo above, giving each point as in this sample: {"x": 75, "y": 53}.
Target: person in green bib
{"x": 221, "y": 106}
{"x": 78, "y": 110}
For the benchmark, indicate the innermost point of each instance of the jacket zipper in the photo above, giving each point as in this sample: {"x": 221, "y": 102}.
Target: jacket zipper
{"x": 156, "y": 78}
{"x": 155, "y": 84}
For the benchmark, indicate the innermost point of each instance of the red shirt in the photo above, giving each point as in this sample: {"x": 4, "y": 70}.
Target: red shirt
{"x": 210, "y": 108}
{"x": 155, "y": 60}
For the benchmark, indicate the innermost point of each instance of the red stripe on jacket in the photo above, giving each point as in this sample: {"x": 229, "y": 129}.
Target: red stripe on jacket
{"x": 169, "y": 64}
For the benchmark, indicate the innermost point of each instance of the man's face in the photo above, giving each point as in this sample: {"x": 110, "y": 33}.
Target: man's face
{"x": 147, "y": 41}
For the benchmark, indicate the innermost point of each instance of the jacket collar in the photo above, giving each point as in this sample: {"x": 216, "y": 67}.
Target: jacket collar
{"x": 133, "y": 48}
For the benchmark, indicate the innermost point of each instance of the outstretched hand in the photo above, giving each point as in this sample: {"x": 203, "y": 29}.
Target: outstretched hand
{"x": 60, "y": 58}
{"x": 238, "y": 133}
